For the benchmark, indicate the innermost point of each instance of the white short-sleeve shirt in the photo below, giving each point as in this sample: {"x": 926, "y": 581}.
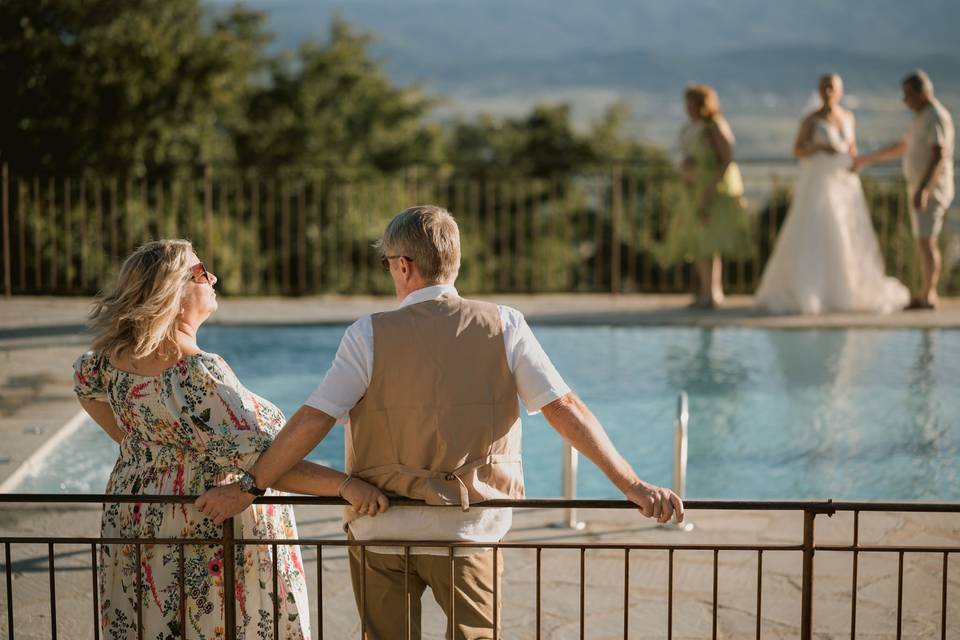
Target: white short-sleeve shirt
{"x": 538, "y": 384}
{"x": 930, "y": 127}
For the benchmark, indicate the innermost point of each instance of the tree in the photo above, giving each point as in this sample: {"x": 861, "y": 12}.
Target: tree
{"x": 544, "y": 144}
{"x": 122, "y": 87}
{"x": 333, "y": 109}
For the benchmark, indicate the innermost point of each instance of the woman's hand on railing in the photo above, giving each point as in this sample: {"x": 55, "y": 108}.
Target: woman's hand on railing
{"x": 220, "y": 503}
{"x": 364, "y": 498}
{"x": 655, "y": 502}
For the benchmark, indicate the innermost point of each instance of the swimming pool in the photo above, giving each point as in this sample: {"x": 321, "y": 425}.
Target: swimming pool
{"x": 774, "y": 414}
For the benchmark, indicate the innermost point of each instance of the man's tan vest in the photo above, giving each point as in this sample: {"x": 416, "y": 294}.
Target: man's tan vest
{"x": 440, "y": 419}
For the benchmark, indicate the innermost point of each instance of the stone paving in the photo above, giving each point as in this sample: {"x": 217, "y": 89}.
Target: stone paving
{"x": 40, "y": 337}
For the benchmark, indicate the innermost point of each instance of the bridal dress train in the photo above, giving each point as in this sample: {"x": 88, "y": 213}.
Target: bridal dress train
{"x": 827, "y": 257}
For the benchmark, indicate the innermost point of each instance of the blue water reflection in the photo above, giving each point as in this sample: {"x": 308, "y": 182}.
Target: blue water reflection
{"x": 854, "y": 414}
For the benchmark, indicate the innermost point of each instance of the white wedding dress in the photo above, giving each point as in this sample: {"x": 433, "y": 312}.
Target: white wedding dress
{"x": 827, "y": 257}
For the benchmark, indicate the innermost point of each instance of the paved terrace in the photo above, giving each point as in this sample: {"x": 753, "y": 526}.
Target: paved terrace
{"x": 40, "y": 337}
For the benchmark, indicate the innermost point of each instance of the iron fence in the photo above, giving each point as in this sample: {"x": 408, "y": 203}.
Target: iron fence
{"x": 599, "y": 231}
{"x": 807, "y": 548}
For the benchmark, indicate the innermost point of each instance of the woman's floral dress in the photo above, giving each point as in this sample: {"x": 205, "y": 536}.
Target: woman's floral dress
{"x": 188, "y": 429}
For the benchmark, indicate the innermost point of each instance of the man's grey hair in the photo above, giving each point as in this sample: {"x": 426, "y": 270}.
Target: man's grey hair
{"x": 429, "y": 235}
{"x": 920, "y": 82}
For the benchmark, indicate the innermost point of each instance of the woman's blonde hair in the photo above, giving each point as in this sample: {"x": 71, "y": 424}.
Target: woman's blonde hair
{"x": 137, "y": 315}
{"x": 704, "y": 98}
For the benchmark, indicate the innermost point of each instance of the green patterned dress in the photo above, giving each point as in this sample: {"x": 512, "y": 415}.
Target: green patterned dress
{"x": 727, "y": 231}
{"x": 187, "y": 429}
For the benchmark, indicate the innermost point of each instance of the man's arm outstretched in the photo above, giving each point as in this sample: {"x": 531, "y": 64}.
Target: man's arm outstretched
{"x": 576, "y": 423}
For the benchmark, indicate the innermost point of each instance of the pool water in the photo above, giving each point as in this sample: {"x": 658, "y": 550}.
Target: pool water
{"x": 774, "y": 414}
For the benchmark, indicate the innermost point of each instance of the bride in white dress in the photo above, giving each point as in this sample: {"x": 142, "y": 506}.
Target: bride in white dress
{"x": 827, "y": 257}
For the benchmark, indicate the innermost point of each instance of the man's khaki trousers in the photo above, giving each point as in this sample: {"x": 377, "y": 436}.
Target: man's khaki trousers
{"x": 390, "y": 587}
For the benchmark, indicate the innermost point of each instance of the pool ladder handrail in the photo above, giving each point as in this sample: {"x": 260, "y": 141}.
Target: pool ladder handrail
{"x": 570, "y": 459}
{"x": 680, "y": 438}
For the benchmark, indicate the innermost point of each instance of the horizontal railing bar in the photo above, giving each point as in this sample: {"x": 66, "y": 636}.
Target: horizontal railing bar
{"x": 91, "y": 540}
{"x": 520, "y": 544}
{"x": 602, "y": 166}
{"x": 819, "y": 506}
{"x": 479, "y": 545}
{"x": 888, "y": 549}
{"x": 408, "y": 543}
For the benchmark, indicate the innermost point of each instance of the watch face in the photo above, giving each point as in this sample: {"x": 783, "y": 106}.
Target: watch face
{"x": 246, "y": 482}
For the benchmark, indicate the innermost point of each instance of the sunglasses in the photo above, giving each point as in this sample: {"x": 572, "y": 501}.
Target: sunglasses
{"x": 200, "y": 275}
{"x": 385, "y": 260}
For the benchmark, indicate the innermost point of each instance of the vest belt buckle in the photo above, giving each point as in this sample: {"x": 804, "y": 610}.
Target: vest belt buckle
{"x": 449, "y": 477}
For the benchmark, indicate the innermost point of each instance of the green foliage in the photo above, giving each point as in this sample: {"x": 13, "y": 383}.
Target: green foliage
{"x": 122, "y": 87}
{"x": 543, "y": 144}
{"x": 174, "y": 122}
{"x": 331, "y": 109}
{"x": 162, "y": 88}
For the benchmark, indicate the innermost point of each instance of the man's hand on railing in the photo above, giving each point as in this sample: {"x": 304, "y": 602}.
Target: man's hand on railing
{"x": 655, "y": 502}
{"x": 364, "y": 498}
{"x": 224, "y": 502}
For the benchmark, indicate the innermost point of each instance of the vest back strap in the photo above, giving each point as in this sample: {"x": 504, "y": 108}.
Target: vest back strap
{"x": 465, "y": 468}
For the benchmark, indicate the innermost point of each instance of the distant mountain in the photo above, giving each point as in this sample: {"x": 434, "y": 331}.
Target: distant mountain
{"x": 781, "y": 70}
{"x": 431, "y": 30}
{"x": 764, "y": 56}
{"x": 502, "y": 46}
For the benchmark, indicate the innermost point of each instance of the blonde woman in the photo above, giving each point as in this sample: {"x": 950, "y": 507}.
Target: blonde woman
{"x": 184, "y": 424}
{"x": 710, "y": 221}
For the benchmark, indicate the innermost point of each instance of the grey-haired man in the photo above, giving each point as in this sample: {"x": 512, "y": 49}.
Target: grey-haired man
{"x": 927, "y": 151}
{"x": 431, "y": 392}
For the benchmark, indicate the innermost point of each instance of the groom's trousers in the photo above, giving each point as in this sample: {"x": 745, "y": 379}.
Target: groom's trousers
{"x": 390, "y": 587}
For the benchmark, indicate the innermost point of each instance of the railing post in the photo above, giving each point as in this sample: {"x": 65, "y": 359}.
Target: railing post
{"x": 208, "y": 216}
{"x": 7, "y": 285}
{"x": 806, "y": 607}
{"x": 413, "y": 186}
{"x": 616, "y": 213}
{"x": 229, "y": 584}
{"x": 772, "y": 205}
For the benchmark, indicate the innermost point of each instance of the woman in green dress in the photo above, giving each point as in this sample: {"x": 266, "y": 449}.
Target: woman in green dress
{"x": 711, "y": 220}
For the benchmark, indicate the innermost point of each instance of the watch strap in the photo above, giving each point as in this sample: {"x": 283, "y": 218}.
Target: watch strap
{"x": 249, "y": 485}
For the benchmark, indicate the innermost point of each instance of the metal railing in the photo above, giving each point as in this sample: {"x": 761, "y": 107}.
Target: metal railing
{"x": 808, "y": 547}
{"x": 601, "y": 231}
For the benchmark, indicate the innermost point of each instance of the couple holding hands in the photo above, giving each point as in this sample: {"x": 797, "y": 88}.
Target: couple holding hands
{"x": 429, "y": 394}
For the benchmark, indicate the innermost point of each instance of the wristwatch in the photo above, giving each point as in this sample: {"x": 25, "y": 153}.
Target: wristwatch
{"x": 248, "y": 484}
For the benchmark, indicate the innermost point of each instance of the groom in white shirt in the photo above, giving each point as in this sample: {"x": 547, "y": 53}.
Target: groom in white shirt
{"x": 429, "y": 393}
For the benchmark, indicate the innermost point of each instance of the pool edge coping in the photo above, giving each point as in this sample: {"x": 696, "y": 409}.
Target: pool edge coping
{"x": 34, "y": 460}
